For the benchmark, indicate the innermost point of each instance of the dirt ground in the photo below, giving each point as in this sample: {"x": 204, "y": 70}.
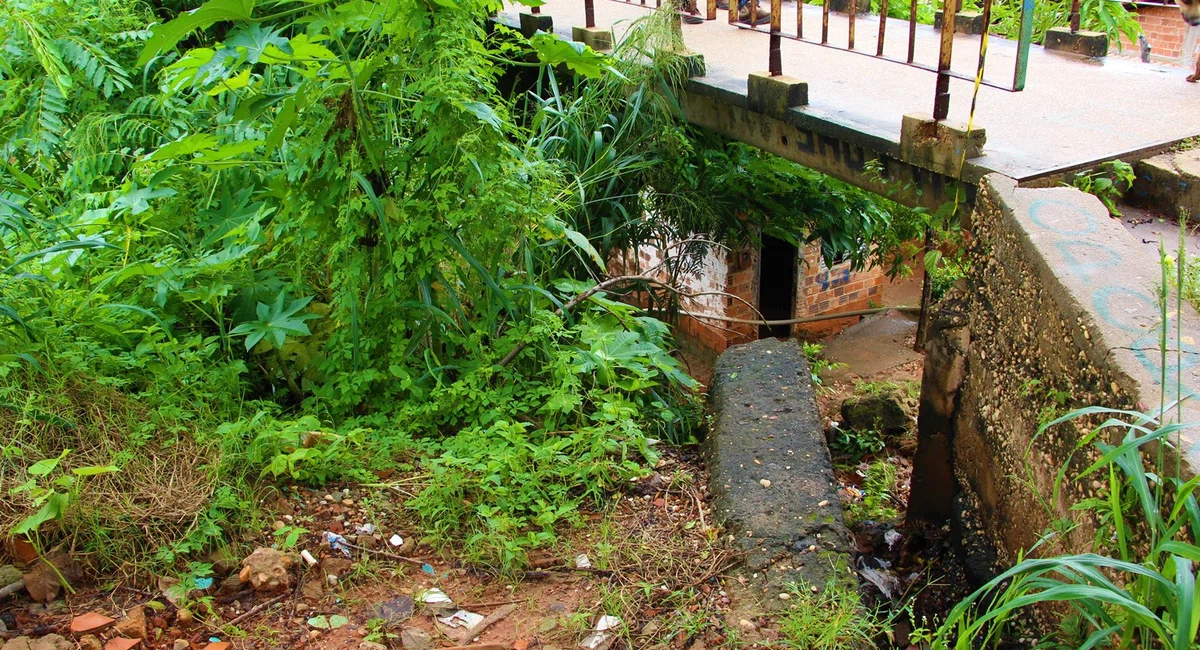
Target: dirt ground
{"x": 651, "y": 557}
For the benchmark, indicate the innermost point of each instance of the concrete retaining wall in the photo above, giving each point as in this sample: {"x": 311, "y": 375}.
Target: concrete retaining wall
{"x": 1059, "y": 312}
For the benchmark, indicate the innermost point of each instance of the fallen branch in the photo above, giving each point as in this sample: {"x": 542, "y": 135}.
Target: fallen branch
{"x": 258, "y": 608}
{"x": 9, "y": 590}
{"x": 391, "y": 556}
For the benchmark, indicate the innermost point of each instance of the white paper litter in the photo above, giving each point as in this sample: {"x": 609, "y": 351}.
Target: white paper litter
{"x": 582, "y": 561}
{"x": 891, "y": 537}
{"x": 461, "y": 618}
{"x": 396, "y": 540}
{"x": 603, "y": 635}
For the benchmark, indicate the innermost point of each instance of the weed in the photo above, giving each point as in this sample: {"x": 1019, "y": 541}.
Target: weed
{"x": 854, "y": 444}
{"x": 827, "y": 619}
{"x": 818, "y": 365}
{"x": 1109, "y": 183}
{"x": 879, "y": 481}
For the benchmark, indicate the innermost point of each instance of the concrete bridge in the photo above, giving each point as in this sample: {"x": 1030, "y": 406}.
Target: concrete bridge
{"x": 1074, "y": 113}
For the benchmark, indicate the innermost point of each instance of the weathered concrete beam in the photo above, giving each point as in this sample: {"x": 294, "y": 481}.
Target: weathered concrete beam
{"x": 867, "y": 161}
{"x": 965, "y": 22}
{"x": 593, "y": 37}
{"x": 772, "y": 480}
{"x": 941, "y": 146}
{"x": 1086, "y": 43}
{"x": 534, "y": 23}
{"x": 774, "y": 95}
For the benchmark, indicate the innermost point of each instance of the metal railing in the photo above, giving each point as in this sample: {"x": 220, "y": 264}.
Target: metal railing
{"x": 942, "y": 67}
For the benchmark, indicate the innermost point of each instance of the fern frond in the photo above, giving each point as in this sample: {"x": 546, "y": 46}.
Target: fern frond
{"x": 101, "y": 71}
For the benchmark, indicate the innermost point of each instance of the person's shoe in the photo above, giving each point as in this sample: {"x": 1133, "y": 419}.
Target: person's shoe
{"x": 722, "y": 4}
{"x": 690, "y": 19}
{"x": 763, "y": 15}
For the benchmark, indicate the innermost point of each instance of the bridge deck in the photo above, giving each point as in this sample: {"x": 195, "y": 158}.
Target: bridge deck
{"x": 1073, "y": 111}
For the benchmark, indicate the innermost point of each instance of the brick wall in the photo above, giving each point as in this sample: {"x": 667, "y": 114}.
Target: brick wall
{"x": 824, "y": 290}
{"x": 1165, "y": 30}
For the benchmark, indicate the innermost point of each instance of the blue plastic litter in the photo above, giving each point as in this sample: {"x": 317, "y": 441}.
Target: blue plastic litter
{"x": 427, "y": 568}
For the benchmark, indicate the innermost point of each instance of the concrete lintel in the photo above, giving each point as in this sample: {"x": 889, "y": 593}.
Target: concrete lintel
{"x": 814, "y": 143}
{"x": 939, "y": 146}
{"x": 593, "y": 37}
{"x": 843, "y": 6}
{"x": 965, "y": 22}
{"x": 1061, "y": 39}
{"x": 693, "y": 63}
{"x": 774, "y": 95}
{"x": 534, "y": 23}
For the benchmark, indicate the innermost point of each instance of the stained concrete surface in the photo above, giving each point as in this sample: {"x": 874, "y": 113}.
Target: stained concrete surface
{"x": 874, "y": 345}
{"x": 1074, "y": 109}
{"x": 772, "y": 479}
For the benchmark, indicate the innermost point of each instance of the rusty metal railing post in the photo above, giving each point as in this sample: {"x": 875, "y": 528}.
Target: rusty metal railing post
{"x": 733, "y": 12}
{"x": 712, "y": 10}
{"x": 535, "y": 10}
{"x": 912, "y": 29}
{"x": 774, "y": 57}
{"x": 1074, "y": 16}
{"x": 589, "y": 13}
{"x": 800, "y": 19}
{"x": 753, "y": 18}
{"x": 853, "y": 13}
{"x": 941, "y": 93}
{"x": 883, "y": 16}
{"x": 824, "y": 22}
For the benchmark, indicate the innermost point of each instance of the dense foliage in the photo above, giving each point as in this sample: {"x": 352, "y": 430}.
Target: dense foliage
{"x": 330, "y": 240}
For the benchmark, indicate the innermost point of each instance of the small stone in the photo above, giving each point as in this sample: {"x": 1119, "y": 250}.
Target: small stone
{"x": 347, "y": 502}
{"x": 90, "y": 642}
{"x": 90, "y": 623}
{"x": 823, "y": 503}
{"x": 134, "y": 624}
{"x": 218, "y": 645}
{"x": 181, "y": 644}
{"x": 416, "y": 639}
{"x": 765, "y": 483}
{"x": 301, "y": 608}
{"x": 747, "y": 625}
{"x": 371, "y": 645}
{"x": 122, "y": 643}
{"x": 278, "y": 525}
{"x": 332, "y": 579}
{"x": 784, "y": 596}
{"x": 269, "y": 570}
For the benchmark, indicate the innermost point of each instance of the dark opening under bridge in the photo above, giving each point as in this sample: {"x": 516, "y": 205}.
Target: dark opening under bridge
{"x": 1074, "y": 112}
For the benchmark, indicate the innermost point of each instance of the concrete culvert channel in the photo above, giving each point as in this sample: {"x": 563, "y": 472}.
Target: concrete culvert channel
{"x": 772, "y": 480}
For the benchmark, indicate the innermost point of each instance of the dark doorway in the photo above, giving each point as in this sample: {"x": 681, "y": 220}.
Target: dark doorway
{"x": 776, "y": 286}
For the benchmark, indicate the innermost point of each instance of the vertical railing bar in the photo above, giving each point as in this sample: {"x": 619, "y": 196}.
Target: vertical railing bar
{"x": 753, "y": 18}
{"x": 1074, "y": 16}
{"x": 824, "y": 22}
{"x": 941, "y": 93}
{"x": 800, "y": 19}
{"x": 987, "y": 20}
{"x": 589, "y": 13}
{"x": 712, "y": 10}
{"x": 883, "y": 16}
{"x": 774, "y": 56}
{"x": 535, "y": 10}
{"x": 1023, "y": 41}
{"x": 912, "y": 29}
{"x": 853, "y": 13}
{"x": 733, "y": 11}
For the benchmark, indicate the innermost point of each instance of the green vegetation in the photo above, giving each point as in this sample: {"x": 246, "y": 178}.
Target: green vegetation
{"x": 1109, "y": 183}
{"x": 1137, "y": 588}
{"x": 314, "y": 241}
{"x": 876, "y": 504}
{"x": 1110, "y": 17}
{"x": 831, "y": 618}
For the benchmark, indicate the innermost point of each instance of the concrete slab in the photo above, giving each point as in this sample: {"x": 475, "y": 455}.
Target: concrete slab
{"x": 1075, "y": 110}
{"x": 874, "y": 345}
{"x": 772, "y": 480}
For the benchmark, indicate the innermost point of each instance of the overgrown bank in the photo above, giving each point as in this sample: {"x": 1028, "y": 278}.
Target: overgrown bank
{"x": 315, "y": 242}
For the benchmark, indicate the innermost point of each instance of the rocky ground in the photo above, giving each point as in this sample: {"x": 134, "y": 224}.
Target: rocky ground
{"x": 340, "y": 568}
